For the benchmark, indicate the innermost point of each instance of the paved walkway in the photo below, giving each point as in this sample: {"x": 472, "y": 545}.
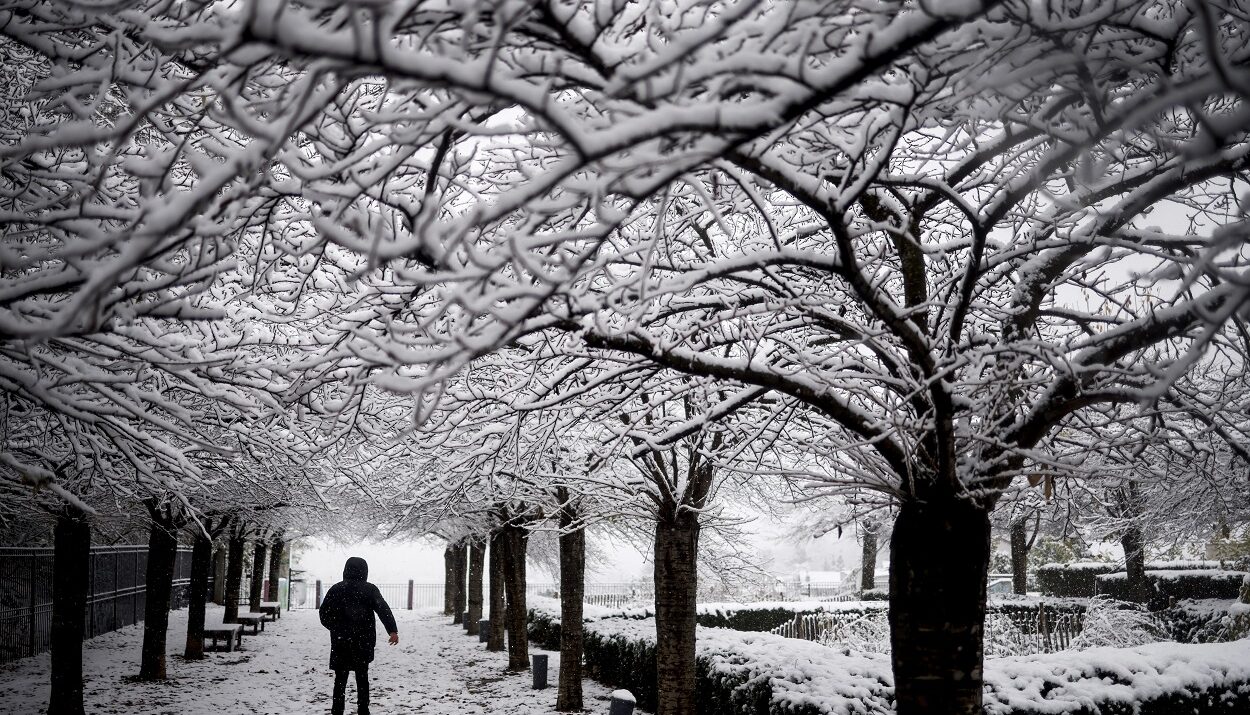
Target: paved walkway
{"x": 436, "y": 670}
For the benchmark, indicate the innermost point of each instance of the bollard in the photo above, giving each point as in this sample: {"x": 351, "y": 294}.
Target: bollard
{"x": 483, "y": 631}
{"x": 464, "y": 620}
{"x": 622, "y": 703}
{"x": 540, "y": 671}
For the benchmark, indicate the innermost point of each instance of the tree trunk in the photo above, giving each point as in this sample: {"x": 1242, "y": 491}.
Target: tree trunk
{"x": 219, "y": 575}
{"x": 868, "y": 558}
{"x": 257, "y": 584}
{"x": 1019, "y": 556}
{"x": 1138, "y": 588}
{"x": 515, "y": 547}
{"x": 275, "y": 569}
{"x": 498, "y": 611}
{"x": 201, "y": 554}
{"x": 460, "y": 567}
{"x": 234, "y": 577}
{"x": 676, "y": 595}
{"x": 477, "y": 558}
{"x": 70, "y": 570}
{"x": 939, "y": 563}
{"x": 162, "y": 553}
{"x": 449, "y": 581}
{"x": 572, "y": 591}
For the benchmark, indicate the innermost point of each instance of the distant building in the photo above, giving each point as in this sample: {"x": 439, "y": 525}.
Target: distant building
{"x": 1000, "y": 586}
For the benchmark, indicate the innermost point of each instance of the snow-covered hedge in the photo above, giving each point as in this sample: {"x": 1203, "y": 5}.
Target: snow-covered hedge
{"x": 1021, "y": 613}
{"x": 1207, "y": 621}
{"x": 743, "y": 673}
{"x": 1078, "y": 579}
{"x": 763, "y": 674}
{"x": 1155, "y": 679}
{"x": 1176, "y": 584}
{"x": 754, "y": 616}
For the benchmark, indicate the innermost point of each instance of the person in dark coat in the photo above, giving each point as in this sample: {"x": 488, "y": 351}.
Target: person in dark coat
{"x": 347, "y": 610}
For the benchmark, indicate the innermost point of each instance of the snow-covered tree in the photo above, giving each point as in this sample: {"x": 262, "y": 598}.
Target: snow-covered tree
{"x": 915, "y": 234}
{"x": 926, "y": 232}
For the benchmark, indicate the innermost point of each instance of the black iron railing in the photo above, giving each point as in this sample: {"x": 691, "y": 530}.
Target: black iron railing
{"x": 116, "y": 594}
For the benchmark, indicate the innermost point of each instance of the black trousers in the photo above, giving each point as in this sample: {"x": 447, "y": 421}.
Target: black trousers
{"x": 340, "y": 691}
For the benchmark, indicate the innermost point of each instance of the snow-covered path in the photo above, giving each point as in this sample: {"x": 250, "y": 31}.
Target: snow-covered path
{"x": 436, "y": 669}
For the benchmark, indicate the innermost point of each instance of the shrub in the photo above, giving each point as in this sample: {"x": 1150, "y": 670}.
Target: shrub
{"x": 1078, "y": 579}
{"x": 1177, "y": 584}
{"x": 1156, "y": 679}
{"x": 1114, "y": 624}
{"x": 543, "y": 629}
{"x": 1206, "y": 621}
{"x": 755, "y": 620}
{"x": 762, "y": 674}
{"x": 1075, "y": 580}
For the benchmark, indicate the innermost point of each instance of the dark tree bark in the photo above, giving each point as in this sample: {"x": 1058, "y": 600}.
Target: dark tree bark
{"x": 498, "y": 611}
{"x": 219, "y": 574}
{"x": 1019, "y": 555}
{"x": 449, "y": 581}
{"x": 234, "y": 576}
{"x": 477, "y": 558}
{"x": 459, "y": 594}
{"x": 572, "y": 592}
{"x": 201, "y": 556}
{"x": 676, "y": 596}
{"x": 516, "y": 542}
{"x": 1138, "y": 588}
{"x": 256, "y": 587}
{"x": 868, "y": 557}
{"x": 70, "y": 569}
{"x": 939, "y": 555}
{"x": 677, "y": 529}
{"x": 275, "y": 569}
{"x": 162, "y": 554}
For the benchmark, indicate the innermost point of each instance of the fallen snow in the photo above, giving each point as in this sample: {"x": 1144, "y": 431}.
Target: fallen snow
{"x": 435, "y": 670}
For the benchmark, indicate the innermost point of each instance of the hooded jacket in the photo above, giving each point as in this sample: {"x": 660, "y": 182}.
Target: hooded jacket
{"x": 347, "y": 610}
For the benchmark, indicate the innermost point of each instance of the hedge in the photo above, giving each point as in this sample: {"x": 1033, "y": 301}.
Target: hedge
{"x": 752, "y": 617}
{"x": 1155, "y": 679}
{"x": 741, "y": 673}
{"x": 762, "y": 674}
{"x": 1078, "y": 579}
{"x": 544, "y": 616}
{"x": 1176, "y": 584}
{"x": 1206, "y": 621}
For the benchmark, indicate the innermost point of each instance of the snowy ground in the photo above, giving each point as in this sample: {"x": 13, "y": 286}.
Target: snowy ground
{"x": 435, "y": 670}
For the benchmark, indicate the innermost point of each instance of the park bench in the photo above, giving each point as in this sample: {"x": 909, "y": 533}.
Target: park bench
{"x": 271, "y": 608}
{"x": 232, "y": 632}
{"x": 252, "y": 618}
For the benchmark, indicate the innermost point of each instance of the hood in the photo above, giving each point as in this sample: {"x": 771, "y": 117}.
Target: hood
{"x": 355, "y": 568}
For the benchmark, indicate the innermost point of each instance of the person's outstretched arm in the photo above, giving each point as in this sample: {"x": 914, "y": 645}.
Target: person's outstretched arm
{"x": 384, "y": 612}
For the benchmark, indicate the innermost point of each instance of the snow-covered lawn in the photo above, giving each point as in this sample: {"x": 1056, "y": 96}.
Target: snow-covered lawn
{"x": 435, "y": 670}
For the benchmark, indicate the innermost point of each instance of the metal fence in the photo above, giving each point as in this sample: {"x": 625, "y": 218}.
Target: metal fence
{"x": 607, "y": 594}
{"x": 116, "y": 594}
{"x": 1024, "y": 629}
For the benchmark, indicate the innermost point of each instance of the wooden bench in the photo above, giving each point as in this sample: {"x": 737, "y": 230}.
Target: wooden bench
{"x": 232, "y": 632}
{"x": 273, "y": 609}
{"x": 252, "y": 618}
